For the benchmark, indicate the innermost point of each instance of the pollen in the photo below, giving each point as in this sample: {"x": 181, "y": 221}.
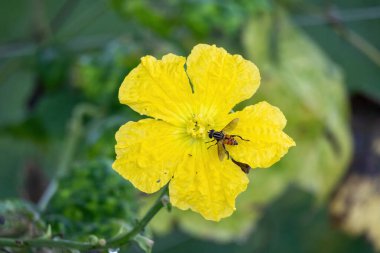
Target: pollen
{"x": 197, "y": 128}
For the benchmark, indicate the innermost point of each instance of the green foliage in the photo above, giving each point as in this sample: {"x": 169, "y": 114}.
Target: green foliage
{"x": 312, "y": 94}
{"x": 15, "y": 156}
{"x": 361, "y": 73}
{"x": 290, "y": 224}
{"x": 93, "y": 199}
{"x": 52, "y": 63}
{"x": 58, "y": 55}
{"x": 14, "y": 93}
{"x": 54, "y": 111}
{"x": 19, "y": 219}
{"x": 99, "y": 76}
{"x": 187, "y": 21}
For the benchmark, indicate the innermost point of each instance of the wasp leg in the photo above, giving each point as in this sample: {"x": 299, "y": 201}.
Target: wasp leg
{"x": 239, "y": 137}
{"x": 210, "y": 141}
{"x": 227, "y": 153}
{"x": 212, "y": 145}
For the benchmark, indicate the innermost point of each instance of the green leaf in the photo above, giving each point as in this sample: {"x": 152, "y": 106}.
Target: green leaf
{"x": 54, "y": 111}
{"x": 361, "y": 73}
{"x": 15, "y": 155}
{"x": 14, "y": 94}
{"x": 311, "y": 94}
{"x": 145, "y": 243}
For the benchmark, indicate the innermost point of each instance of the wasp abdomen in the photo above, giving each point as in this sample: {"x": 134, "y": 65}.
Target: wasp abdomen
{"x": 230, "y": 141}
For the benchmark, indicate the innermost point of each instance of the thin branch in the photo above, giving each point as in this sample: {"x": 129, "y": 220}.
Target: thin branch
{"x": 41, "y": 26}
{"x": 75, "y": 132}
{"x": 63, "y": 13}
{"x": 353, "y": 38}
{"x": 87, "y": 18}
{"x": 45, "y": 243}
{"x": 347, "y": 16}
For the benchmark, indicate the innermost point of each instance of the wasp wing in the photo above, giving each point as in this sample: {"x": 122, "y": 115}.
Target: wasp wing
{"x": 231, "y": 126}
{"x": 221, "y": 151}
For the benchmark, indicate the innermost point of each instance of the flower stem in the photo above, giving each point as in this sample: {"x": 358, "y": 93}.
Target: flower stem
{"x": 124, "y": 239}
{"x": 44, "y": 243}
{"x": 114, "y": 242}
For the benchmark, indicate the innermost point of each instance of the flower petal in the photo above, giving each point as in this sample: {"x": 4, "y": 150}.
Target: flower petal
{"x": 262, "y": 125}
{"x": 206, "y": 185}
{"x": 147, "y": 153}
{"x": 158, "y": 88}
{"x": 220, "y": 80}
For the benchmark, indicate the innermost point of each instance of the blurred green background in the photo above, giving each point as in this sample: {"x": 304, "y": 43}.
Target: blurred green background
{"x": 62, "y": 62}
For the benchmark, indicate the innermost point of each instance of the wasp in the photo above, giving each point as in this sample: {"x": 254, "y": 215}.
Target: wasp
{"x": 223, "y": 139}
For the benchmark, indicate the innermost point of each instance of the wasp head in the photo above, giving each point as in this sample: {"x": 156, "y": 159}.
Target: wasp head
{"x": 210, "y": 133}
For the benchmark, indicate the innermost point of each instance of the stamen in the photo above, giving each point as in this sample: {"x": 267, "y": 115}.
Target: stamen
{"x": 197, "y": 127}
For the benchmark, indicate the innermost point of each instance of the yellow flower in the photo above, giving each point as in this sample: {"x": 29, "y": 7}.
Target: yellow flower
{"x": 185, "y": 103}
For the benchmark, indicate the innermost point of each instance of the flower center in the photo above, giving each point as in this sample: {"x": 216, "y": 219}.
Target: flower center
{"x": 197, "y": 127}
